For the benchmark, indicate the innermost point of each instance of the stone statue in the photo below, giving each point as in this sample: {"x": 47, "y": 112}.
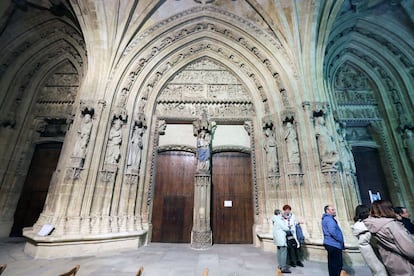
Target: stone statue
{"x": 328, "y": 153}
{"x": 409, "y": 144}
{"x": 203, "y": 151}
{"x": 271, "y": 152}
{"x": 292, "y": 145}
{"x": 113, "y": 151}
{"x": 84, "y": 135}
{"x": 135, "y": 148}
{"x": 347, "y": 158}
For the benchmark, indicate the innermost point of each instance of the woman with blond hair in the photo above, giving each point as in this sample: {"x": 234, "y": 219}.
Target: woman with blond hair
{"x": 395, "y": 245}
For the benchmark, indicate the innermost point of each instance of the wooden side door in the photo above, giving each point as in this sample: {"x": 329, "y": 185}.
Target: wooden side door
{"x": 172, "y": 212}
{"x": 36, "y": 186}
{"x": 232, "y": 199}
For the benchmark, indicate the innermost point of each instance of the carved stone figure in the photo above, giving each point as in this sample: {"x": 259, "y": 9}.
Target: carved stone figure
{"x": 135, "y": 148}
{"x": 409, "y": 145}
{"x": 347, "y": 158}
{"x": 84, "y": 135}
{"x": 203, "y": 151}
{"x": 292, "y": 145}
{"x": 328, "y": 153}
{"x": 271, "y": 152}
{"x": 113, "y": 151}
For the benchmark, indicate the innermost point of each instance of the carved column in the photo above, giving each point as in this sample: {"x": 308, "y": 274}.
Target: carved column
{"x": 101, "y": 220}
{"x": 74, "y": 179}
{"x": 201, "y": 234}
{"x": 271, "y": 186}
{"x": 127, "y": 216}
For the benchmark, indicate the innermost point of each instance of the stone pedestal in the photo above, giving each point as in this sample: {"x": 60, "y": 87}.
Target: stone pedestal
{"x": 201, "y": 235}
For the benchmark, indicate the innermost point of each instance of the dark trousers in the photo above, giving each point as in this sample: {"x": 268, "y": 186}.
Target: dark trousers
{"x": 294, "y": 255}
{"x": 334, "y": 260}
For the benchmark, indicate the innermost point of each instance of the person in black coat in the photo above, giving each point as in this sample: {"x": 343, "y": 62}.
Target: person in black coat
{"x": 404, "y": 217}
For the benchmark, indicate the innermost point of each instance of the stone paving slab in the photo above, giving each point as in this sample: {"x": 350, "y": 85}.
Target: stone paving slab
{"x": 161, "y": 259}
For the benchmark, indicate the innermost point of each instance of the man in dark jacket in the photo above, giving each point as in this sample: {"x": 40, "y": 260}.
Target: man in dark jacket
{"x": 333, "y": 240}
{"x": 404, "y": 217}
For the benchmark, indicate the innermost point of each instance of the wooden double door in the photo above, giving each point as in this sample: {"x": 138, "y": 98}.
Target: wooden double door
{"x": 231, "y": 202}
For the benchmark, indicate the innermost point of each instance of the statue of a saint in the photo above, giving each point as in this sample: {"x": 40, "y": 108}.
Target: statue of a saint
{"x": 113, "y": 151}
{"x": 135, "y": 148}
{"x": 84, "y": 135}
{"x": 292, "y": 145}
{"x": 328, "y": 153}
{"x": 271, "y": 152}
{"x": 347, "y": 158}
{"x": 203, "y": 151}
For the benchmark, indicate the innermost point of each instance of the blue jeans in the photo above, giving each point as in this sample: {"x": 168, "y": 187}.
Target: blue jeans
{"x": 281, "y": 255}
{"x": 334, "y": 260}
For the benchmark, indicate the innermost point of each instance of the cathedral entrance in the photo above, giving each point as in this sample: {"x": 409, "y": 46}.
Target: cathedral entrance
{"x": 232, "y": 206}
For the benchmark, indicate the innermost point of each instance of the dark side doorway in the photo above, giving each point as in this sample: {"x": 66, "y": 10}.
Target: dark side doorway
{"x": 33, "y": 195}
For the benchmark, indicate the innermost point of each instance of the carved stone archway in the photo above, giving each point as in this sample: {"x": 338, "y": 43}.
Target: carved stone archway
{"x": 205, "y": 88}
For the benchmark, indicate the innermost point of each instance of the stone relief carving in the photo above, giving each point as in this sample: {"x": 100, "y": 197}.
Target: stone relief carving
{"x": 328, "y": 153}
{"x": 182, "y": 110}
{"x": 84, "y": 133}
{"x": 292, "y": 145}
{"x": 379, "y": 39}
{"x": 248, "y": 127}
{"x": 348, "y": 78}
{"x": 355, "y": 97}
{"x": 135, "y": 148}
{"x": 273, "y": 39}
{"x": 113, "y": 151}
{"x": 197, "y": 27}
{"x": 347, "y": 158}
{"x": 359, "y": 112}
{"x": 162, "y": 126}
{"x": 213, "y": 89}
{"x": 122, "y": 98}
{"x": 271, "y": 151}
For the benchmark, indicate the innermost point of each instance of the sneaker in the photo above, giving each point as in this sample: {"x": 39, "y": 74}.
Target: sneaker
{"x": 286, "y": 271}
{"x": 299, "y": 263}
{"x": 292, "y": 264}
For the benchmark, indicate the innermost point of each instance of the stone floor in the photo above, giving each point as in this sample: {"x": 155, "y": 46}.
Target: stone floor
{"x": 160, "y": 259}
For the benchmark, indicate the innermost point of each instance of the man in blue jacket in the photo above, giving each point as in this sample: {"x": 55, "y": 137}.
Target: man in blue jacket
{"x": 333, "y": 240}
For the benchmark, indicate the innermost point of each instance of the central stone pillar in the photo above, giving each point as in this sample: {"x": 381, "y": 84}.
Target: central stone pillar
{"x": 201, "y": 234}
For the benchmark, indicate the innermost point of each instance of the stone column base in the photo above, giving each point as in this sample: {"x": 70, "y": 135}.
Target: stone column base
{"x": 201, "y": 240}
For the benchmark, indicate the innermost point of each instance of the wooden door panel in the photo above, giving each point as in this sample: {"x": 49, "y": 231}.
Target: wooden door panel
{"x": 173, "y": 217}
{"x": 231, "y": 183}
{"x": 172, "y": 213}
